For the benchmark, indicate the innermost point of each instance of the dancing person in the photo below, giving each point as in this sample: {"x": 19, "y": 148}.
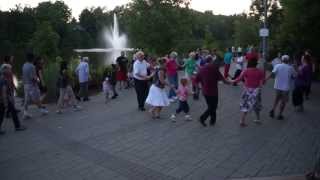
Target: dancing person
{"x": 31, "y": 88}
{"x": 113, "y": 80}
{"x": 208, "y": 77}
{"x": 141, "y": 78}
{"x": 39, "y": 71}
{"x": 307, "y": 54}
{"x": 172, "y": 74}
{"x": 66, "y": 94}
{"x": 122, "y": 78}
{"x": 191, "y": 70}
{"x": 228, "y": 56}
{"x": 157, "y": 96}
{"x": 302, "y": 81}
{"x": 82, "y": 72}
{"x": 106, "y": 88}
{"x": 239, "y": 60}
{"x": 251, "y": 96}
{"x": 7, "y": 63}
{"x": 276, "y": 60}
{"x": 7, "y": 100}
{"x": 284, "y": 75}
{"x": 183, "y": 93}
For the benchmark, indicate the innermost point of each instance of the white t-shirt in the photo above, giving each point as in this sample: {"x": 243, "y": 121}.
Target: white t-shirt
{"x": 83, "y": 72}
{"x": 140, "y": 68}
{"x": 239, "y": 62}
{"x": 284, "y": 75}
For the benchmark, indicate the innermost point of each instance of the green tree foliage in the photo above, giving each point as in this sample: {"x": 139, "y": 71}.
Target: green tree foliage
{"x": 246, "y": 31}
{"x": 301, "y": 27}
{"x": 45, "y": 41}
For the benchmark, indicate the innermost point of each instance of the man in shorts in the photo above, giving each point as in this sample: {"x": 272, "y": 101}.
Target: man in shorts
{"x": 31, "y": 88}
{"x": 284, "y": 75}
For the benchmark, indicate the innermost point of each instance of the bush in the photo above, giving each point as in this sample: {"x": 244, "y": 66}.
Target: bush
{"x": 50, "y": 77}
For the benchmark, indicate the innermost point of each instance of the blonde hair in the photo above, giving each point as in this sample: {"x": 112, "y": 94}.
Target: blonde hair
{"x": 139, "y": 54}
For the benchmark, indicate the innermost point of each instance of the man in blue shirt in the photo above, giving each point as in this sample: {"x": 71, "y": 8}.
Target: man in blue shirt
{"x": 227, "y": 62}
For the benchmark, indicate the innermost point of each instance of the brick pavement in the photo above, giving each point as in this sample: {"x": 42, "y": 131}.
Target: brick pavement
{"x": 115, "y": 141}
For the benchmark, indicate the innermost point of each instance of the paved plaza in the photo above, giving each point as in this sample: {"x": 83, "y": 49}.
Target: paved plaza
{"x": 116, "y": 141}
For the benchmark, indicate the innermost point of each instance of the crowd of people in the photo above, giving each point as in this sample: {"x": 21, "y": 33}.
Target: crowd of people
{"x": 158, "y": 83}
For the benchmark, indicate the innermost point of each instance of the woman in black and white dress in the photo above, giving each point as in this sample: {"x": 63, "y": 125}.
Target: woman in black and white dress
{"x": 157, "y": 96}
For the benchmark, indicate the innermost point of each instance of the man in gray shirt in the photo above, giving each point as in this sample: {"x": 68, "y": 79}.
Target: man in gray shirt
{"x": 31, "y": 88}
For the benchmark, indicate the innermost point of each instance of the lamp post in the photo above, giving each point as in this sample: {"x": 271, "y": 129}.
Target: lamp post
{"x": 266, "y": 34}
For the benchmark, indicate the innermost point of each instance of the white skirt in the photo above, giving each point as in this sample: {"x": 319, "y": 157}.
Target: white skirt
{"x": 157, "y": 97}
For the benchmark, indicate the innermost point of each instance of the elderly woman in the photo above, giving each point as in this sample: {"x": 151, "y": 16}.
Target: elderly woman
{"x": 172, "y": 73}
{"x": 251, "y": 96}
{"x": 157, "y": 96}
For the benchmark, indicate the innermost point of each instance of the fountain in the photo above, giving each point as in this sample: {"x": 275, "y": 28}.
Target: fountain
{"x": 113, "y": 38}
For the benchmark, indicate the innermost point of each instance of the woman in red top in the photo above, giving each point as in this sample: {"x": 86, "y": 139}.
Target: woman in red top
{"x": 251, "y": 96}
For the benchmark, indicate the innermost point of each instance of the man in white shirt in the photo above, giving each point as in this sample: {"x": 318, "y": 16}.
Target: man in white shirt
{"x": 284, "y": 75}
{"x": 82, "y": 72}
{"x": 140, "y": 74}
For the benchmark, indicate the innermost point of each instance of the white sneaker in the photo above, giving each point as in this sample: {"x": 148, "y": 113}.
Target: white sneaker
{"x": 257, "y": 121}
{"x": 59, "y": 111}
{"x": 26, "y": 115}
{"x": 175, "y": 98}
{"x": 171, "y": 100}
{"x": 188, "y": 118}
{"x": 173, "y": 118}
{"x": 44, "y": 111}
{"x": 77, "y": 108}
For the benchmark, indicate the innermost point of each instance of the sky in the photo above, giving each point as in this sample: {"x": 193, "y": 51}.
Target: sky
{"x": 225, "y": 7}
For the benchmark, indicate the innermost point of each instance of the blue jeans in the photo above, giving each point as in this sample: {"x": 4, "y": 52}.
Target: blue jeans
{"x": 173, "y": 80}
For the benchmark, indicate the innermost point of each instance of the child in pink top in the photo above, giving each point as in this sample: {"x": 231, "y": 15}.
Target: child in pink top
{"x": 251, "y": 96}
{"x": 182, "y": 93}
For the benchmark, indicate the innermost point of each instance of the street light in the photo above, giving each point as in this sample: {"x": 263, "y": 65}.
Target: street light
{"x": 264, "y": 33}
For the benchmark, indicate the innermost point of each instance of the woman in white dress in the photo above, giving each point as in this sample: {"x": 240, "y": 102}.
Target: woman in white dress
{"x": 157, "y": 96}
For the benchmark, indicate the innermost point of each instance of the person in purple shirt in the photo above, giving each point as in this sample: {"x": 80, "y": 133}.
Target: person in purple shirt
{"x": 301, "y": 83}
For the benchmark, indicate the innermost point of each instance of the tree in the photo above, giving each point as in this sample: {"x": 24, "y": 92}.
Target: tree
{"x": 45, "y": 41}
{"x": 246, "y": 31}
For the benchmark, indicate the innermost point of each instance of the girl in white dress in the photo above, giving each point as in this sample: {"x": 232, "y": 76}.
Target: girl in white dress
{"x": 157, "y": 96}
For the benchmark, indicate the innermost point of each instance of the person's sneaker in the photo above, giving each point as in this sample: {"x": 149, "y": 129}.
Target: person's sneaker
{"x": 26, "y": 115}
{"x": 271, "y": 113}
{"x": 171, "y": 100}
{"x": 175, "y": 98}
{"x": 257, "y": 121}
{"x": 21, "y": 128}
{"x": 173, "y": 118}
{"x": 44, "y": 111}
{"x": 2, "y": 132}
{"x": 77, "y": 108}
{"x": 114, "y": 96}
{"x": 59, "y": 111}
{"x": 188, "y": 117}
{"x": 280, "y": 117}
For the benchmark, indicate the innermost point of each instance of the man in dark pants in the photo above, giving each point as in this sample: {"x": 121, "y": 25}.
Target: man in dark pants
{"x": 6, "y": 101}
{"x": 141, "y": 78}
{"x": 208, "y": 77}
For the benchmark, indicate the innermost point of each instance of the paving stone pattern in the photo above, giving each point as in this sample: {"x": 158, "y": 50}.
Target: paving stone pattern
{"x": 116, "y": 141}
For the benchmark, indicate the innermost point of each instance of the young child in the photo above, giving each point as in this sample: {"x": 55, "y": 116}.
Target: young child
{"x": 182, "y": 93}
{"x": 106, "y": 87}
